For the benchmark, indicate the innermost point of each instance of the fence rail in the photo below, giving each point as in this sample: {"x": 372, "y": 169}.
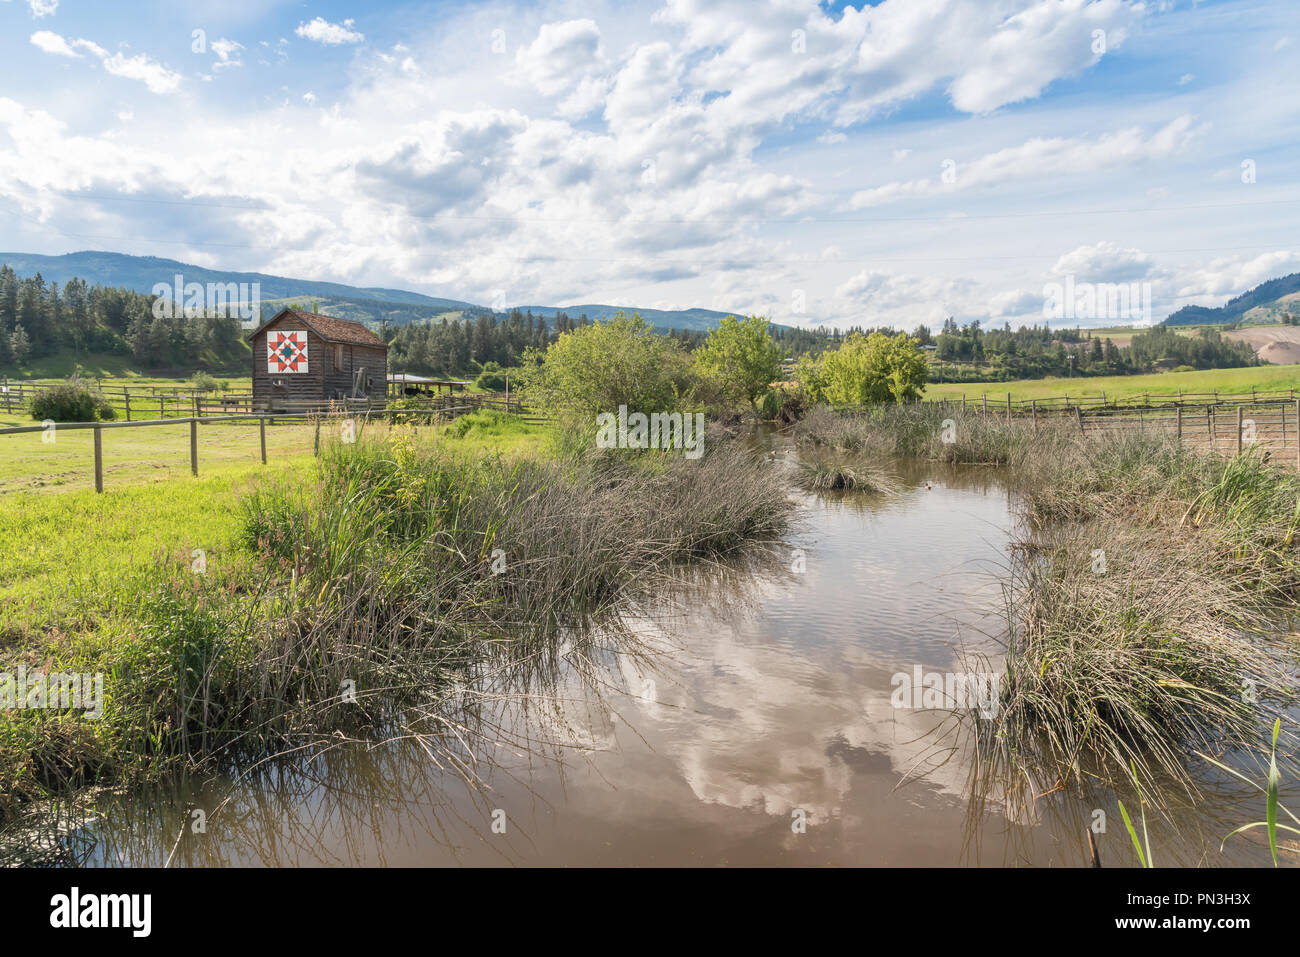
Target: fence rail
{"x": 995, "y": 401}
{"x": 139, "y": 402}
{"x": 359, "y": 413}
{"x": 1233, "y": 423}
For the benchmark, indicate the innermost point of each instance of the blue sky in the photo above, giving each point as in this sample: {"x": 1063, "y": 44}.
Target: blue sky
{"x": 886, "y": 164}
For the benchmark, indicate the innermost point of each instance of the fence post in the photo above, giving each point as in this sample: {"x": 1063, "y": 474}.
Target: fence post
{"x": 316, "y": 446}
{"x": 1238, "y": 430}
{"x": 194, "y": 446}
{"x": 261, "y": 428}
{"x": 1297, "y": 433}
{"x": 99, "y": 461}
{"x": 1008, "y": 408}
{"x": 1078, "y": 414}
{"x": 1033, "y": 407}
{"x": 1209, "y": 424}
{"x": 161, "y": 413}
{"x": 1180, "y": 425}
{"x": 986, "y": 403}
{"x": 128, "y": 405}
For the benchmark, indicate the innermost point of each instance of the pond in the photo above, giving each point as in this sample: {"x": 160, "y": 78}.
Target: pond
{"x": 745, "y": 719}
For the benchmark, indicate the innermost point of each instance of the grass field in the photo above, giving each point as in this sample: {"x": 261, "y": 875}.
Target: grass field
{"x": 141, "y": 455}
{"x": 62, "y": 543}
{"x": 95, "y": 365}
{"x": 152, "y": 454}
{"x": 1161, "y": 383}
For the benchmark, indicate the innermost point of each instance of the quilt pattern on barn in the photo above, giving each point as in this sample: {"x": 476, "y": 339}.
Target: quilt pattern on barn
{"x": 286, "y": 351}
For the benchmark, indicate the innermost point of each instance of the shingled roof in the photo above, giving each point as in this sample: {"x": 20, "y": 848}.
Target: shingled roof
{"x": 329, "y": 328}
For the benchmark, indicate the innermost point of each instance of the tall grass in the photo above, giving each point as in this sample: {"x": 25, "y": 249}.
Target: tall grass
{"x": 924, "y": 431}
{"x": 1143, "y": 593}
{"x": 366, "y": 600}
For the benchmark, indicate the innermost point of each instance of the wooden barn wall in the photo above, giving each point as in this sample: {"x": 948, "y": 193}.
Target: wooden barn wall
{"x": 372, "y": 359}
{"x": 297, "y": 385}
{"x": 320, "y": 381}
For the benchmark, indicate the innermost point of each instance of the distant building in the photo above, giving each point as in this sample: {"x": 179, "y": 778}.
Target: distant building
{"x": 301, "y": 358}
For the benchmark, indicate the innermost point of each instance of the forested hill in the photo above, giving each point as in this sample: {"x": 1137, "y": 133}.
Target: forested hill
{"x": 1266, "y": 298}
{"x": 372, "y": 305}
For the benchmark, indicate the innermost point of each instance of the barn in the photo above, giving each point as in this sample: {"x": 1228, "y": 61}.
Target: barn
{"x": 302, "y": 359}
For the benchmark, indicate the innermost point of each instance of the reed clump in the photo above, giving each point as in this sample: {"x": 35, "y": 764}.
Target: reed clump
{"x": 924, "y": 431}
{"x": 826, "y": 476}
{"x": 367, "y": 599}
{"x": 1145, "y": 590}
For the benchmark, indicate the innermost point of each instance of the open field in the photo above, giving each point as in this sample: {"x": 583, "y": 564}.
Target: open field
{"x": 1119, "y": 387}
{"x": 59, "y": 538}
{"x": 150, "y": 454}
{"x": 1274, "y": 344}
{"x": 142, "y": 455}
{"x": 95, "y": 365}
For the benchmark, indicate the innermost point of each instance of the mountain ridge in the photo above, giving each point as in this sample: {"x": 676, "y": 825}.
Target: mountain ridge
{"x": 373, "y": 305}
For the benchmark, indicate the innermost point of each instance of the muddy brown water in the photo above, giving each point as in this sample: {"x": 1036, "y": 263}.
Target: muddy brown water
{"x": 754, "y": 725}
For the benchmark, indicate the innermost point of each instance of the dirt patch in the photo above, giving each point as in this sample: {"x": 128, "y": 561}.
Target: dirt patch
{"x": 1278, "y": 345}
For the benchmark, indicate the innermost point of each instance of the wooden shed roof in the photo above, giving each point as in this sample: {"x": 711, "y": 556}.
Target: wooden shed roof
{"x": 329, "y": 328}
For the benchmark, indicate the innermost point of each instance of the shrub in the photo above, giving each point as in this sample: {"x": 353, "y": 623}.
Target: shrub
{"x": 75, "y": 400}
{"x": 492, "y": 378}
{"x": 202, "y": 382}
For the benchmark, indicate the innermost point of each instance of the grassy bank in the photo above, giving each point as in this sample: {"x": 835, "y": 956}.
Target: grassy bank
{"x": 1145, "y": 590}
{"x": 1262, "y": 378}
{"x": 365, "y": 593}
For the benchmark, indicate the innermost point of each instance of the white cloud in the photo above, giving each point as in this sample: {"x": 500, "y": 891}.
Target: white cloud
{"x": 1040, "y": 158}
{"x": 1186, "y": 78}
{"x": 1105, "y": 262}
{"x": 330, "y": 34}
{"x": 875, "y": 297}
{"x": 43, "y": 8}
{"x": 141, "y": 67}
{"x": 560, "y": 57}
{"x": 1014, "y": 303}
{"x": 680, "y": 160}
{"x": 1225, "y": 277}
{"x": 53, "y": 43}
{"x": 226, "y": 51}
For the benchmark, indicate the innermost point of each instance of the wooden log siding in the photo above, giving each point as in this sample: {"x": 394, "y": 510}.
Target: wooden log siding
{"x": 321, "y": 382}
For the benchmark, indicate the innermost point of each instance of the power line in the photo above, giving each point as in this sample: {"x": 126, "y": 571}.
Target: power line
{"x": 693, "y": 261}
{"x": 785, "y": 221}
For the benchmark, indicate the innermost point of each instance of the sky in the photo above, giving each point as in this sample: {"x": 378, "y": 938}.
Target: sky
{"x": 816, "y": 163}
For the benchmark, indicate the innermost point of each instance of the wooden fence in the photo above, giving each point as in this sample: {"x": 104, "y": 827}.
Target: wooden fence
{"x": 1003, "y": 402}
{"x": 163, "y": 402}
{"x": 359, "y": 413}
{"x": 1227, "y": 423}
{"x": 141, "y": 402}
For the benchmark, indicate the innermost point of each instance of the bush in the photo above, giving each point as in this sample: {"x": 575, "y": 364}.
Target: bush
{"x": 202, "y": 382}
{"x": 492, "y": 381}
{"x": 782, "y": 403}
{"x": 75, "y": 400}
